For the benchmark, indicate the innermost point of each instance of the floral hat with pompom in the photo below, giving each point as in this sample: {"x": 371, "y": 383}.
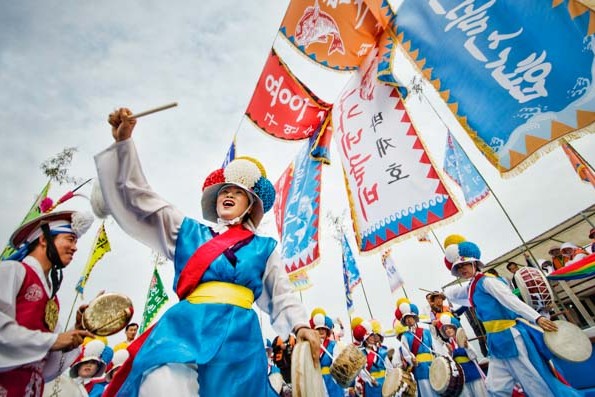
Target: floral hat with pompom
{"x": 246, "y": 173}
{"x": 464, "y": 252}
{"x": 446, "y": 320}
{"x": 404, "y": 309}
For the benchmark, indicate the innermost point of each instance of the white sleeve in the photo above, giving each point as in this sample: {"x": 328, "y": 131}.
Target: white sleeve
{"x": 458, "y": 294}
{"x": 504, "y": 296}
{"x": 57, "y": 362}
{"x": 18, "y": 345}
{"x": 139, "y": 211}
{"x": 279, "y": 300}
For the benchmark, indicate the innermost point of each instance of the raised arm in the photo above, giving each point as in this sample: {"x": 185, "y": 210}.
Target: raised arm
{"x": 138, "y": 210}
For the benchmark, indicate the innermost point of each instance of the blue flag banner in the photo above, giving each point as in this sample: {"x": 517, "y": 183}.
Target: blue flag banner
{"x": 348, "y": 297}
{"x": 299, "y": 236}
{"x": 231, "y": 153}
{"x": 458, "y": 166}
{"x": 349, "y": 266}
{"x": 517, "y": 75}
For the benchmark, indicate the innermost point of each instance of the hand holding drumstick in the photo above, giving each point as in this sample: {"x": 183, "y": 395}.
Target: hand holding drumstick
{"x": 123, "y": 120}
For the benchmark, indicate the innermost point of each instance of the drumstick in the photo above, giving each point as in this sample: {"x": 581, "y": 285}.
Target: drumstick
{"x": 154, "y": 110}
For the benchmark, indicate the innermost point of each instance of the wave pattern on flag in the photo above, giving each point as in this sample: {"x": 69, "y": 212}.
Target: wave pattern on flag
{"x": 582, "y": 168}
{"x": 462, "y": 171}
{"x": 100, "y": 248}
{"x": 34, "y": 212}
{"x": 395, "y": 280}
{"x": 282, "y": 106}
{"x": 393, "y": 187}
{"x": 300, "y": 213}
{"x": 523, "y": 88}
{"x": 334, "y": 34}
{"x": 156, "y": 298}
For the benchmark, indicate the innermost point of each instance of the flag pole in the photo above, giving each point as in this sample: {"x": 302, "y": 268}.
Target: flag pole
{"x": 524, "y": 243}
{"x": 581, "y": 158}
{"x": 71, "y": 309}
{"x": 366, "y": 298}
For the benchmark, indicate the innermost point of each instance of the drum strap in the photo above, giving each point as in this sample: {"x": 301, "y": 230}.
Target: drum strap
{"x": 419, "y": 333}
{"x": 204, "y": 255}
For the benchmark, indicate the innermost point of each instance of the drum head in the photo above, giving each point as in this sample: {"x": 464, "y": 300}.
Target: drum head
{"x": 347, "y": 365}
{"x": 440, "y": 374}
{"x": 461, "y": 337}
{"x": 392, "y": 382}
{"x": 108, "y": 314}
{"x": 276, "y": 381}
{"x": 568, "y": 343}
{"x": 306, "y": 380}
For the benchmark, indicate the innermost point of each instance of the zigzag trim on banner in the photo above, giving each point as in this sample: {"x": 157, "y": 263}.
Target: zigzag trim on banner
{"x": 309, "y": 258}
{"x": 518, "y": 161}
{"x": 421, "y": 222}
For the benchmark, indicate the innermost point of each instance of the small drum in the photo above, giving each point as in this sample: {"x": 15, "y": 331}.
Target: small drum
{"x": 446, "y": 377}
{"x": 306, "y": 380}
{"x": 461, "y": 337}
{"x": 568, "y": 343}
{"x": 392, "y": 382}
{"x": 408, "y": 386}
{"x": 108, "y": 314}
{"x": 534, "y": 288}
{"x": 347, "y": 365}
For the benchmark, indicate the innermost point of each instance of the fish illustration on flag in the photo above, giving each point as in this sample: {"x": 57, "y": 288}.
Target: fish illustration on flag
{"x": 462, "y": 171}
{"x": 524, "y": 86}
{"x": 337, "y": 35}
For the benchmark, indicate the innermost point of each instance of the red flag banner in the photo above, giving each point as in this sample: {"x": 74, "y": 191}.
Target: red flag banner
{"x": 282, "y": 106}
{"x": 335, "y": 34}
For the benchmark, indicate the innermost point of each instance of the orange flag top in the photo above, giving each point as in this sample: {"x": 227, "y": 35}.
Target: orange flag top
{"x": 582, "y": 169}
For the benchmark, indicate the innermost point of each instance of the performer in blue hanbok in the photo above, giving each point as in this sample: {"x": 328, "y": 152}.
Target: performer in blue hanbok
{"x": 464, "y": 355}
{"x": 324, "y": 325}
{"x": 419, "y": 342}
{"x": 211, "y": 339}
{"x": 514, "y": 329}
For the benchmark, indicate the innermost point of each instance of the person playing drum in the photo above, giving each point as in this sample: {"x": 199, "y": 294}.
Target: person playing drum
{"x": 376, "y": 354}
{"x": 514, "y": 354}
{"x": 211, "y": 337}
{"x": 323, "y": 324}
{"x": 33, "y": 348}
{"x": 464, "y": 355}
{"x": 419, "y": 342}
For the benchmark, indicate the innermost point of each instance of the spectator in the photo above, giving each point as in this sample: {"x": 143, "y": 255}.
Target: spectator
{"x": 558, "y": 260}
{"x": 572, "y": 253}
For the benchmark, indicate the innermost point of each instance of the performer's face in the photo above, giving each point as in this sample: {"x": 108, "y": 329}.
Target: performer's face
{"x": 232, "y": 201}
{"x": 450, "y": 332}
{"x": 66, "y": 246}
{"x": 88, "y": 369}
{"x": 466, "y": 270}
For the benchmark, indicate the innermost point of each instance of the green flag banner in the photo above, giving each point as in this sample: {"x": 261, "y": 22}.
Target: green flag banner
{"x": 156, "y": 298}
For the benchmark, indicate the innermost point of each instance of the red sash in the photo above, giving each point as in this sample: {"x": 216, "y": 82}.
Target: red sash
{"x": 417, "y": 341}
{"x": 189, "y": 278}
{"x": 472, "y": 287}
{"x": 205, "y": 255}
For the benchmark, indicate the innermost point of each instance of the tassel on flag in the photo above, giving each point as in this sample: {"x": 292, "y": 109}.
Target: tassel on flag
{"x": 395, "y": 280}
{"x": 300, "y": 280}
{"x": 462, "y": 171}
{"x": 100, "y": 247}
{"x": 34, "y": 212}
{"x": 231, "y": 153}
{"x": 156, "y": 298}
{"x": 424, "y": 239}
{"x": 582, "y": 168}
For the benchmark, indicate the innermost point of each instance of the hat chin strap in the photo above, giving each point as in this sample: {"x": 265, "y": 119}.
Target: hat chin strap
{"x": 222, "y": 223}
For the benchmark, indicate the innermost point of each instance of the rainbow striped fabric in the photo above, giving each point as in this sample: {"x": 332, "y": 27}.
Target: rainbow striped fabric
{"x": 581, "y": 269}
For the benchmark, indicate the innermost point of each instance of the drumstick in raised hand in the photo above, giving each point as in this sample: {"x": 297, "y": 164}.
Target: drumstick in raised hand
{"x": 154, "y": 110}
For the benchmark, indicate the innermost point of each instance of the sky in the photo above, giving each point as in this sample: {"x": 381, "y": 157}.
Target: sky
{"x": 65, "y": 65}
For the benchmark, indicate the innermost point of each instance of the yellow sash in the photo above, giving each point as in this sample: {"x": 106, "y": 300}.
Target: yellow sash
{"x": 220, "y": 292}
{"x": 462, "y": 360}
{"x": 378, "y": 374}
{"x": 424, "y": 357}
{"x": 325, "y": 370}
{"x": 498, "y": 325}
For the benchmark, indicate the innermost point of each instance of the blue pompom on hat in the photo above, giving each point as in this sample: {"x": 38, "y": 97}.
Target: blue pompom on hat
{"x": 466, "y": 251}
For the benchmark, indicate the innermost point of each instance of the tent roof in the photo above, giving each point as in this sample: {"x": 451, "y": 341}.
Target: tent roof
{"x": 574, "y": 229}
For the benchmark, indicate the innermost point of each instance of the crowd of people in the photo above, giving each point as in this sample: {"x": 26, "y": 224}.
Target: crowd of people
{"x": 222, "y": 269}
